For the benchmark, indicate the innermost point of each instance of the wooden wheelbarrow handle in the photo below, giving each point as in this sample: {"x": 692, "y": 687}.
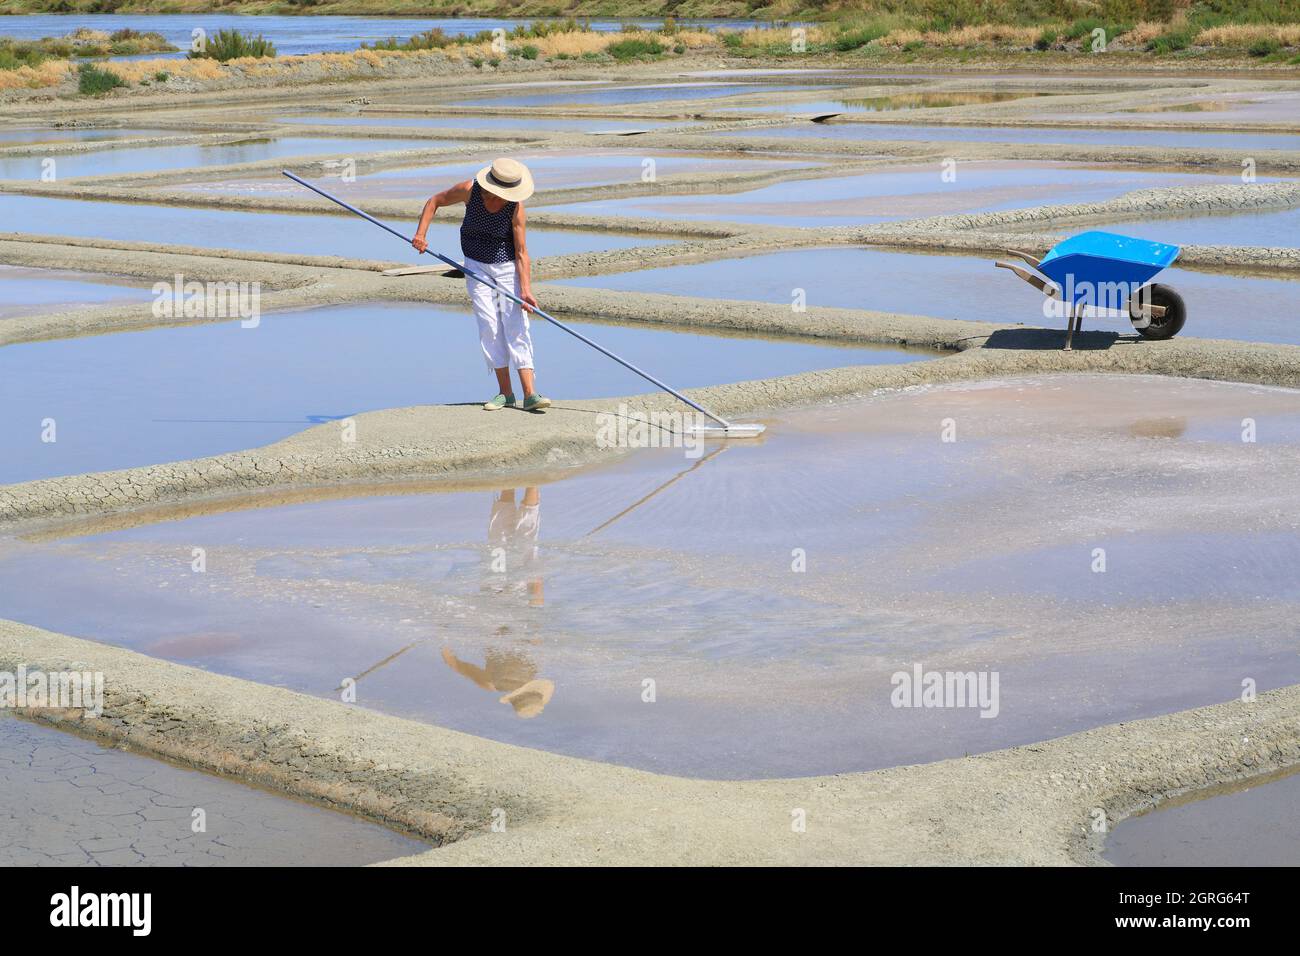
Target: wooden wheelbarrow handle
{"x": 1032, "y": 260}
{"x": 1048, "y": 289}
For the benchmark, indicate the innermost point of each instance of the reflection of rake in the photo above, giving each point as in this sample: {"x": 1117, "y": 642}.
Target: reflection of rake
{"x": 644, "y": 498}
{"x": 633, "y": 506}
{"x": 1095, "y": 267}
{"x": 374, "y": 667}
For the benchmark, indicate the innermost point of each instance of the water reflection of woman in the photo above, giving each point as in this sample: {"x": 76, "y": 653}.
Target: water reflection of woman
{"x": 512, "y": 532}
{"x": 509, "y": 672}
{"x": 512, "y": 537}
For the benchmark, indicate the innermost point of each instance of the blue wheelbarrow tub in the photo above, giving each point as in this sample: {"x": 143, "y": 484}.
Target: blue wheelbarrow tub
{"x": 1095, "y": 258}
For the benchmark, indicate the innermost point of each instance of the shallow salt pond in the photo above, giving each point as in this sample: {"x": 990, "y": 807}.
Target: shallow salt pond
{"x": 141, "y": 398}
{"x": 1221, "y": 108}
{"x": 143, "y": 159}
{"x": 1268, "y": 227}
{"x": 72, "y": 802}
{"x": 960, "y": 287}
{"x": 29, "y": 135}
{"x": 643, "y": 95}
{"x": 771, "y": 591}
{"x": 305, "y": 234}
{"x": 551, "y": 169}
{"x": 571, "y": 125}
{"x": 1101, "y": 135}
{"x": 1069, "y": 82}
{"x": 1243, "y": 824}
{"x": 29, "y": 291}
{"x": 856, "y": 103}
{"x": 903, "y": 191}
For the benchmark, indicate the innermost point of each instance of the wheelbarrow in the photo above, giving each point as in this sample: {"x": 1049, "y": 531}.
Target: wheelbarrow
{"x": 1108, "y": 272}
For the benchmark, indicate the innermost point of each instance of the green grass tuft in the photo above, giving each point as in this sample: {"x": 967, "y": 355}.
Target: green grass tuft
{"x": 91, "y": 80}
{"x": 232, "y": 45}
{"x": 634, "y": 47}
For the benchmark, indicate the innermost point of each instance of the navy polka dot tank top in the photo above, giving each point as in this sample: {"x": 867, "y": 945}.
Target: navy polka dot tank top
{"x": 487, "y": 236}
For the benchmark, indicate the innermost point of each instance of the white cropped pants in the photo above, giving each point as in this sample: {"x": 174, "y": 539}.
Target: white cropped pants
{"x": 502, "y": 324}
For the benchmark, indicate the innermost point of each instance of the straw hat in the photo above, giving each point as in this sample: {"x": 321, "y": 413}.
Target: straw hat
{"x": 507, "y": 178}
{"x": 530, "y": 699}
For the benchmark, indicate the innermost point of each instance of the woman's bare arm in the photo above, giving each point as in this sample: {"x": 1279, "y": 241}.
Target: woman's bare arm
{"x": 448, "y": 197}
{"x": 523, "y": 265}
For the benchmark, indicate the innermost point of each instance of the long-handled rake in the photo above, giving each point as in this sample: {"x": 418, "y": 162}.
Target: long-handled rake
{"x": 724, "y": 428}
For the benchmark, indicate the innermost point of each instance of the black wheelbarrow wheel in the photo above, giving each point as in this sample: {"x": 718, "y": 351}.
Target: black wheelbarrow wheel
{"x": 1167, "y": 325}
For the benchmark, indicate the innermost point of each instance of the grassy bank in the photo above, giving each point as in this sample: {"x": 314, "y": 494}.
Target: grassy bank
{"x": 920, "y": 14}
{"x": 82, "y": 43}
{"x": 1190, "y": 36}
{"x": 46, "y": 62}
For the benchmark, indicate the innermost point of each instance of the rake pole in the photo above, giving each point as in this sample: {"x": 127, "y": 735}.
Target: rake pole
{"x": 489, "y": 281}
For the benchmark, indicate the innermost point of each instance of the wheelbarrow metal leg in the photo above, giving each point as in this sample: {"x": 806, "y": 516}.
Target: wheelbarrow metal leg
{"x": 1074, "y": 321}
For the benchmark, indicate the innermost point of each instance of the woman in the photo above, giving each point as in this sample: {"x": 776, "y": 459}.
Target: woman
{"x": 492, "y": 240}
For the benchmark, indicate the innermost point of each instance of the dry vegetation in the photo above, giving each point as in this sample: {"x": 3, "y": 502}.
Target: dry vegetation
{"x": 49, "y": 73}
{"x": 1247, "y": 34}
{"x": 906, "y": 28}
{"x": 989, "y": 35}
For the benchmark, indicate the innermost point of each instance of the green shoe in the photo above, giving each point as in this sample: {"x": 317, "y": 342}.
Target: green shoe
{"x": 501, "y": 401}
{"x": 535, "y": 403}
